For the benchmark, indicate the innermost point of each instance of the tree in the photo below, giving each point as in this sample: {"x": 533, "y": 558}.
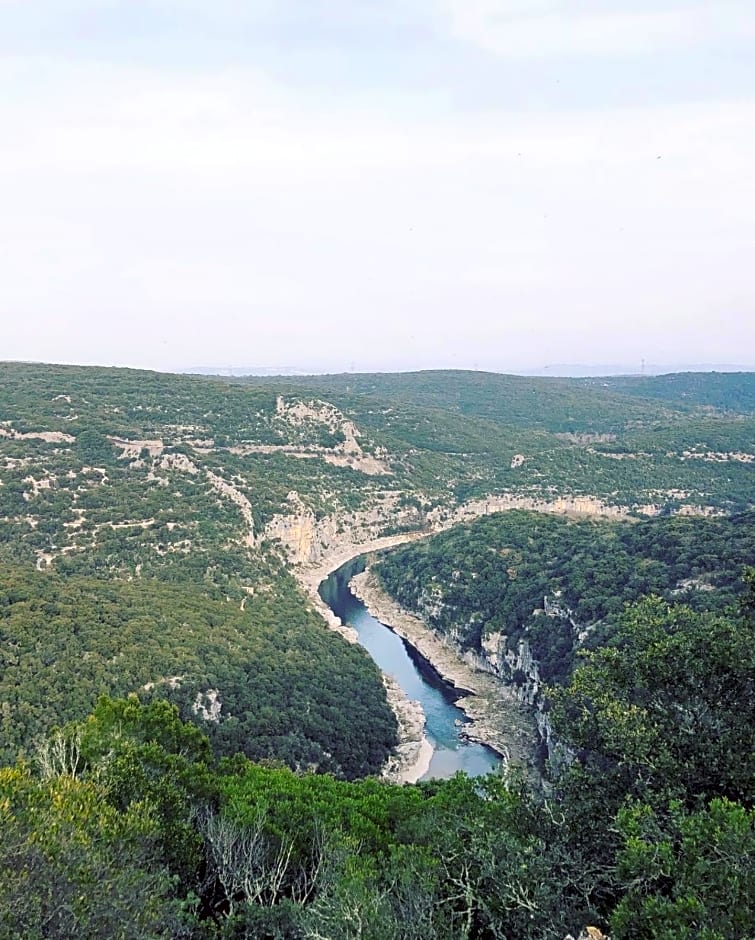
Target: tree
{"x": 663, "y": 727}
{"x": 94, "y": 448}
{"x": 71, "y": 865}
{"x": 145, "y": 753}
{"x": 670, "y": 705}
{"x": 688, "y": 876}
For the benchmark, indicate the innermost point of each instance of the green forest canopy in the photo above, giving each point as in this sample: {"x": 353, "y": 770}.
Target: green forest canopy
{"x": 125, "y": 825}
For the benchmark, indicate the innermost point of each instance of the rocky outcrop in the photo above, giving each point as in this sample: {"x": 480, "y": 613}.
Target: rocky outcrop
{"x": 208, "y": 706}
{"x": 566, "y": 505}
{"x": 515, "y": 666}
{"x": 132, "y": 450}
{"x": 309, "y": 540}
{"x": 348, "y": 452}
{"x": 313, "y": 542}
{"x": 49, "y": 437}
{"x": 518, "y": 669}
{"x": 304, "y": 537}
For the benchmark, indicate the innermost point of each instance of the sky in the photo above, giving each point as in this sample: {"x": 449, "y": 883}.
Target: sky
{"x": 335, "y": 185}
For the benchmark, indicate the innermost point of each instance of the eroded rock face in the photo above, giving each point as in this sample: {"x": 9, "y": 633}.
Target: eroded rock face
{"x": 308, "y": 540}
{"x": 304, "y": 537}
{"x": 514, "y": 668}
{"x": 50, "y": 437}
{"x": 208, "y": 706}
{"x": 507, "y": 663}
{"x": 570, "y": 505}
{"x": 519, "y": 670}
{"x": 348, "y": 452}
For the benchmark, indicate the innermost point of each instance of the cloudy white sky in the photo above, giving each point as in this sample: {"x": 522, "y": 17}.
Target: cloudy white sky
{"x": 377, "y": 184}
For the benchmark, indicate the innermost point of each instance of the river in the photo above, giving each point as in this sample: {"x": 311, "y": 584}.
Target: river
{"x": 418, "y": 679}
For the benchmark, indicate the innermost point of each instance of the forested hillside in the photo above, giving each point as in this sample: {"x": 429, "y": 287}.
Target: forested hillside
{"x": 539, "y": 437}
{"x": 134, "y": 560}
{"x": 172, "y": 487}
{"x": 560, "y": 584}
{"x": 647, "y": 701}
{"x": 269, "y": 681}
{"x": 727, "y": 391}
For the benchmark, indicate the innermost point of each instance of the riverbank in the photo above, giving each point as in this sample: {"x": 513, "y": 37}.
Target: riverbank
{"x": 411, "y": 758}
{"x": 311, "y": 576}
{"x": 497, "y": 719}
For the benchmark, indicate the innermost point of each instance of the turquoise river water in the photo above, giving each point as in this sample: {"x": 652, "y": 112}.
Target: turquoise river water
{"x": 444, "y": 720}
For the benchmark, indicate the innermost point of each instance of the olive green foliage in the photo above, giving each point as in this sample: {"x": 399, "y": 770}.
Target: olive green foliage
{"x": 457, "y": 432}
{"x": 729, "y": 391}
{"x": 492, "y": 575}
{"x": 150, "y": 577}
{"x": 135, "y": 592}
{"x": 690, "y": 875}
{"x": 186, "y": 849}
{"x": 206, "y": 421}
{"x": 125, "y": 826}
{"x": 518, "y": 401}
{"x": 653, "y": 825}
{"x": 73, "y": 866}
{"x": 661, "y": 793}
{"x": 671, "y": 704}
{"x": 98, "y": 832}
{"x": 144, "y": 754}
{"x": 446, "y": 436}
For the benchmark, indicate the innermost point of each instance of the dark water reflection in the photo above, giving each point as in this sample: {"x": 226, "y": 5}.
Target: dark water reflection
{"x": 415, "y": 676}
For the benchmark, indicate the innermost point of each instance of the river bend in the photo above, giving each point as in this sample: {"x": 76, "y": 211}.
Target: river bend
{"x": 419, "y": 680}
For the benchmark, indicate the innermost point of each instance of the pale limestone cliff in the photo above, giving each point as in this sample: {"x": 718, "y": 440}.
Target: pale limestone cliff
{"x": 313, "y": 542}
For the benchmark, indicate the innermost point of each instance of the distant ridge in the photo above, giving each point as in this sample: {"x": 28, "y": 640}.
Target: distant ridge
{"x": 571, "y": 370}
{"x": 554, "y": 370}
{"x": 245, "y": 370}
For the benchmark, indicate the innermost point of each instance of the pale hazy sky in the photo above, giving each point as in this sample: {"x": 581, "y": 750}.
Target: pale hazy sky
{"x": 337, "y": 184}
